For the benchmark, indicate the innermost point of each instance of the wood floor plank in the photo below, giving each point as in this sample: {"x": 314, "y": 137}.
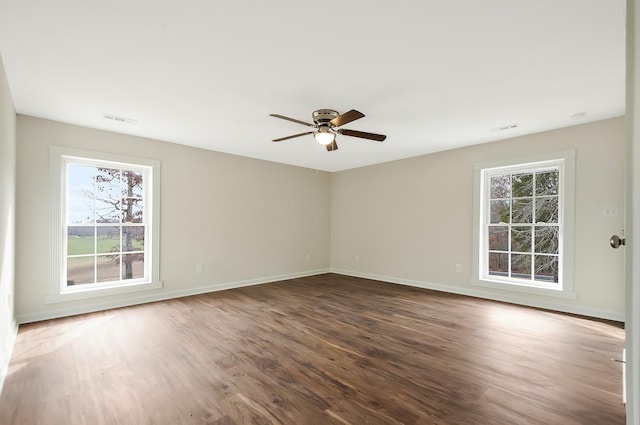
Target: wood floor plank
{"x": 327, "y": 349}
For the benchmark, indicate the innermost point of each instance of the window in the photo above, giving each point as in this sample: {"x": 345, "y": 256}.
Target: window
{"x": 524, "y": 226}
{"x": 105, "y": 224}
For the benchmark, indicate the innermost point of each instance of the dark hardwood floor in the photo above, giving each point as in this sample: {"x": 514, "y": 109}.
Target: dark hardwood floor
{"x": 327, "y": 349}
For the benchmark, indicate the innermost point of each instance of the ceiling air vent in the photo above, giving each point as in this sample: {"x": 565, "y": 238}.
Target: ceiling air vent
{"x": 119, "y": 119}
{"x": 504, "y": 127}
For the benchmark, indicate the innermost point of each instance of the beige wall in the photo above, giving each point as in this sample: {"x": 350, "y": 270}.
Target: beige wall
{"x": 7, "y": 216}
{"x": 245, "y": 220}
{"x": 406, "y": 221}
{"x": 410, "y": 221}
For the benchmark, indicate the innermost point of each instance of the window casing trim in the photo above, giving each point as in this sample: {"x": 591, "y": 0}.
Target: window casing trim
{"x": 58, "y": 292}
{"x": 566, "y": 159}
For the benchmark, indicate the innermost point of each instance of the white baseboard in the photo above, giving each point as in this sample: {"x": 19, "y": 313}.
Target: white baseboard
{"x": 6, "y": 352}
{"x": 479, "y": 293}
{"x": 165, "y": 295}
{"x": 142, "y": 298}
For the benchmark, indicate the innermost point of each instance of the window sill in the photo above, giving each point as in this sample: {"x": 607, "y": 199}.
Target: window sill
{"x": 514, "y": 287}
{"x": 101, "y": 292}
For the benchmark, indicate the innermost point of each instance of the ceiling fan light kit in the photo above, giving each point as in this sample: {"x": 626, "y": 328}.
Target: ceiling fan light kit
{"x": 324, "y": 135}
{"x": 325, "y": 127}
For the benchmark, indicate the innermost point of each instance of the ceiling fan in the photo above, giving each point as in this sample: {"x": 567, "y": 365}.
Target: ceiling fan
{"x": 325, "y": 127}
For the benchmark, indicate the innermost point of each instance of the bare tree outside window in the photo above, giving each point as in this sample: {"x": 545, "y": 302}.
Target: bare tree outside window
{"x": 523, "y": 228}
{"x": 119, "y": 192}
{"x": 105, "y": 235}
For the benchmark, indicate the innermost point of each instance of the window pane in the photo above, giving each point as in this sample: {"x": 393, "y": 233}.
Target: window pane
{"x": 132, "y": 238}
{"x": 499, "y": 238}
{"x": 521, "y": 239}
{"x": 108, "y": 268}
{"x": 132, "y": 183}
{"x": 547, "y": 268}
{"x": 79, "y": 270}
{"x": 107, "y": 195}
{"x": 547, "y": 210}
{"x": 80, "y": 194}
{"x": 547, "y": 239}
{"x": 547, "y": 183}
{"x": 521, "y": 266}
{"x": 499, "y": 212}
{"x": 132, "y": 196}
{"x": 498, "y": 264}
{"x": 501, "y": 186}
{"x": 108, "y": 239}
{"x": 132, "y": 210}
{"x": 132, "y": 266}
{"x": 80, "y": 240}
{"x": 522, "y": 211}
{"x": 522, "y": 185}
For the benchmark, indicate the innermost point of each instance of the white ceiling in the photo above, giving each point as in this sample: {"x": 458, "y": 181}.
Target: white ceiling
{"x": 432, "y": 75}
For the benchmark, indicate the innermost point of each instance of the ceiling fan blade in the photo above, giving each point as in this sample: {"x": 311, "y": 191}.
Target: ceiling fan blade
{"x": 291, "y": 119}
{"x": 346, "y": 118}
{"x": 291, "y": 137}
{"x": 333, "y": 146}
{"x": 363, "y": 135}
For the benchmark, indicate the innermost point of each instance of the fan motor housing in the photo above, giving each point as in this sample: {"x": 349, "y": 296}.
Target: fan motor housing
{"x": 323, "y": 116}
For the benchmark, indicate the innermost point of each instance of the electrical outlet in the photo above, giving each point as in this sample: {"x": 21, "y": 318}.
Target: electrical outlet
{"x": 198, "y": 268}
{"x": 610, "y": 211}
{"x": 308, "y": 258}
{"x": 356, "y": 257}
{"x": 459, "y": 268}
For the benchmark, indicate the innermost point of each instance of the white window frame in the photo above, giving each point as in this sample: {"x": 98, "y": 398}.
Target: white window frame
{"x": 565, "y": 161}
{"x": 59, "y": 158}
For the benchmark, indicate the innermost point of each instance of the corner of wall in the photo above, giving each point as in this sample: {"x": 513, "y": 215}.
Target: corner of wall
{"x": 8, "y": 147}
